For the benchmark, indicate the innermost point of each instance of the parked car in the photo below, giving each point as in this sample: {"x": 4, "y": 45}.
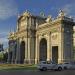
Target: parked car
{"x": 73, "y": 65}
{"x": 45, "y": 65}
{"x": 67, "y": 65}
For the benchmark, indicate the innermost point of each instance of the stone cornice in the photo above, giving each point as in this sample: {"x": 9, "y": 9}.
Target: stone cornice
{"x": 49, "y": 25}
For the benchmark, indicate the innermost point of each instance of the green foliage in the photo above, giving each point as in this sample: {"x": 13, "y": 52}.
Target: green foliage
{"x": 14, "y": 67}
{"x": 1, "y": 56}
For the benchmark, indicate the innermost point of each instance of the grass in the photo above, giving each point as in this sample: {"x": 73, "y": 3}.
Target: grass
{"x": 13, "y": 67}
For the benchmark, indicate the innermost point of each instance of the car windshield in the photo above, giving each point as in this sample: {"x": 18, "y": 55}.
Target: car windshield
{"x": 53, "y": 62}
{"x": 44, "y": 62}
{"x": 66, "y": 63}
{"x": 47, "y": 62}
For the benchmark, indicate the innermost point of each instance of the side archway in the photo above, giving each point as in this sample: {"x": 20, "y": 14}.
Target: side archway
{"x": 22, "y": 52}
{"x": 43, "y": 50}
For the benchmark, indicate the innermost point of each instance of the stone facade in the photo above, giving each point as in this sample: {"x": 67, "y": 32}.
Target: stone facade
{"x": 39, "y": 38}
{"x": 74, "y": 43}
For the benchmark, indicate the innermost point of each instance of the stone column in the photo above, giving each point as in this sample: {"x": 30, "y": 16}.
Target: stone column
{"x": 27, "y": 41}
{"x": 18, "y": 52}
{"x": 13, "y": 53}
{"x": 26, "y": 51}
{"x": 29, "y": 51}
{"x": 32, "y": 50}
{"x": 61, "y": 45}
{"x": 60, "y": 48}
{"x": 49, "y": 47}
{"x": 72, "y": 46}
{"x": 37, "y": 50}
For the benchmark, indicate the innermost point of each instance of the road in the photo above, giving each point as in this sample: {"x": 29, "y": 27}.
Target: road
{"x": 66, "y": 72}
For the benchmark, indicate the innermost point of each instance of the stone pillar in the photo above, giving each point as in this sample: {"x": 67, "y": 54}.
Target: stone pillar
{"x": 32, "y": 50}
{"x": 68, "y": 43}
{"x": 26, "y": 52}
{"x": 61, "y": 47}
{"x": 27, "y": 42}
{"x": 37, "y": 51}
{"x": 26, "y": 61}
{"x": 72, "y": 52}
{"x": 28, "y": 57}
{"x": 9, "y": 52}
{"x": 14, "y": 52}
{"x": 49, "y": 48}
{"x": 18, "y": 52}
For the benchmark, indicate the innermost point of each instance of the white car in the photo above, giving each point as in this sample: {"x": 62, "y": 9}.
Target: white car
{"x": 68, "y": 65}
{"x": 73, "y": 65}
{"x": 43, "y": 66}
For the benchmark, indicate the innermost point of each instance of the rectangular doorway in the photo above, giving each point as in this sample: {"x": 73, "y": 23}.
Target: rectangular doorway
{"x": 55, "y": 53}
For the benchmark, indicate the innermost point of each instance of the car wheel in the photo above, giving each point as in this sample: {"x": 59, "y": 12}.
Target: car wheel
{"x": 44, "y": 69}
{"x": 59, "y": 68}
{"x": 41, "y": 69}
{"x": 56, "y": 70}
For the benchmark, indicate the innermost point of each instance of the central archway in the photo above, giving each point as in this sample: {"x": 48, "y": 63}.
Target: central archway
{"x": 22, "y": 52}
{"x": 43, "y": 50}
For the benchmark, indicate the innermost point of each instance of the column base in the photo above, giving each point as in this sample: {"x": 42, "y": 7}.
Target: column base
{"x": 29, "y": 61}
{"x": 48, "y": 59}
{"x": 17, "y": 61}
{"x": 60, "y": 61}
{"x": 26, "y": 61}
{"x": 13, "y": 61}
{"x": 32, "y": 61}
{"x": 8, "y": 61}
{"x": 36, "y": 61}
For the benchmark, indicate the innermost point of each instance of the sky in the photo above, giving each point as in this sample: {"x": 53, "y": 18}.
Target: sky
{"x": 9, "y": 10}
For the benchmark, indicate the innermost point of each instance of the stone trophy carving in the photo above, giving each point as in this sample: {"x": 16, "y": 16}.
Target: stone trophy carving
{"x": 49, "y": 19}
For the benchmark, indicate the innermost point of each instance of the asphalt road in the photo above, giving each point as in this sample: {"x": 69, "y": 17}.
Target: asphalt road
{"x": 66, "y": 72}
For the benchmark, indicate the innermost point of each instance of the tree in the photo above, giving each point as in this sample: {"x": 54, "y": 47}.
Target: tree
{"x": 5, "y": 57}
{"x": 1, "y": 56}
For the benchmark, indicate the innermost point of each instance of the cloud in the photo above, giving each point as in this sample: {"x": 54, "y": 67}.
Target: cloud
{"x": 8, "y": 8}
{"x": 3, "y": 34}
{"x": 4, "y": 41}
{"x": 69, "y": 9}
{"x": 4, "y": 38}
